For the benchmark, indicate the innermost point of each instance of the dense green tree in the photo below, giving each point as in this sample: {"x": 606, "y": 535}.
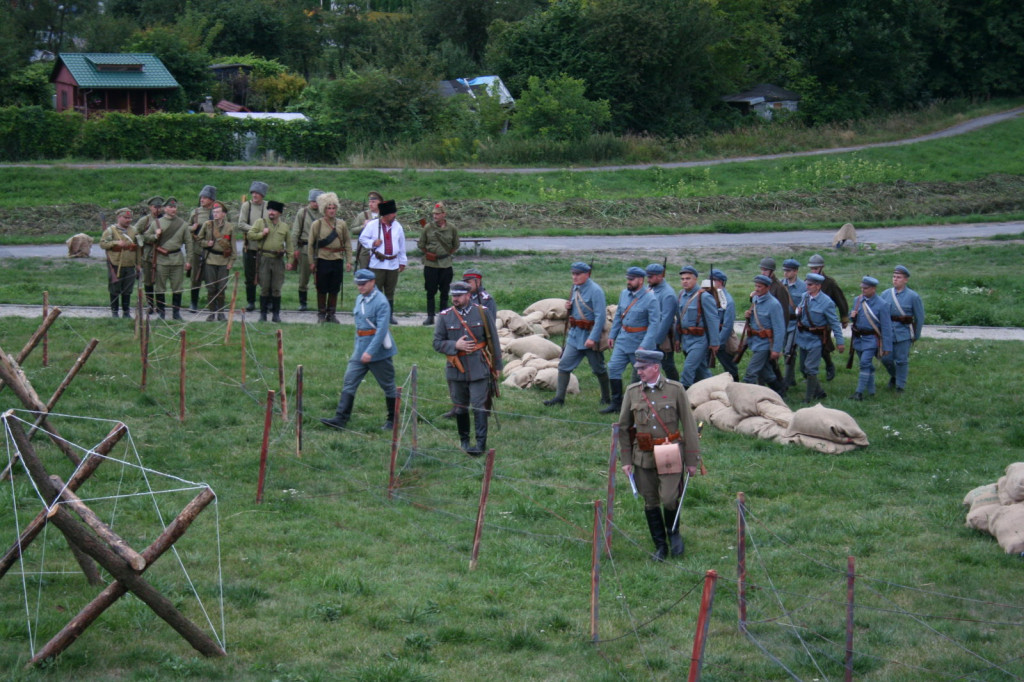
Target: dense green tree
{"x": 558, "y": 109}
{"x": 184, "y": 48}
{"x": 982, "y": 53}
{"x": 465, "y": 23}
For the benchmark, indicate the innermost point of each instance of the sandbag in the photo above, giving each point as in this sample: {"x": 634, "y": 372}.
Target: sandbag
{"x": 539, "y": 363}
{"x": 517, "y": 325}
{"x": 499, "y": 323}
{"x": 511, "y": 366}
{"x": 536, "y": 345}
{"x": 822, "y": 445}
{"x": 537, "y": 329}
{"x": 1007, "y": 524}
{"x": 759, "y": 427}
{"x": 1002, "y": 491}
{"x": 534, "y": 317}
{"x": 1014, "y": 484}
{"x": 981, "y": 496}
{"x": 823, "y": 422}
{"x": 554, "y": 327}
{"x": 79, "y": 246}
{"x": 521, "y": 377}
{"x": 551, "y": 308}
{"x": 720, "y": 396}
{"x": 726, "y": 419}
{"x": 548, "y": 379}
{"x": 703, "y": 412}
{"x": 745, "y": 397}
{"x": 700, "y": 392}
{"x": 978, "y": 517}
{"x": 780, "y": 414}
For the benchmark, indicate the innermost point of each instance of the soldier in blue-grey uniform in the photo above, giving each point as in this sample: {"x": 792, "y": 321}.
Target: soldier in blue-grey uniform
{"x": 906, "y": 310}
{"x": 726, "y": 322}
{"x": 635, "y": 325}
{"x": 697, "y": 327}
{"x": 666, "y": 329}
{"x": 766, "y": 336}
{"x": 465, "y": 335}
{"x": 374, "y": 351}
{"x": 796, "y": 288}
{"x": 872, "y": 334}
{"x": 816, "y": 317}
{"x": 586, "y": 306}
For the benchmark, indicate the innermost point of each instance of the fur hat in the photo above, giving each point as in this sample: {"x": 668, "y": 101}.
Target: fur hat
{"x": 275, "y": 206}
{"x": 208, "y": 192}
{"x": 387, "y": 207}
{"x": 314, "y": 193}
{"x": 259, "y": 187}
{"x": 327, "y": 199}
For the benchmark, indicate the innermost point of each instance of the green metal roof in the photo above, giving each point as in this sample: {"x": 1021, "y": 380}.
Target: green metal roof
{"x": 112, "y": 70}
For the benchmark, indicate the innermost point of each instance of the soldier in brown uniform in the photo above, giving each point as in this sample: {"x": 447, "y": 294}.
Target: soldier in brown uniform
{"x": 119, "y": 242}
{"x": 156, "y": 205}
{"x": 298, "y": 243}
{"x": 216, "y": 240}
{"x": 196, "y": 219}
{"x": 248, "y": 213}
{"x": 358, "y": 222}
{"x": 168, "y": 236}
{"x": 656, "y": 412}
{"x": 438, "y": 242}
{"x": 330, "y": 255}
{"x": 271, "y": 235}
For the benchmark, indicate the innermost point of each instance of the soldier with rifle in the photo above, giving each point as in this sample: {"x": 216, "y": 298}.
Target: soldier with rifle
{"x": 816, "y": 316}
{"x": 871, "y": 327}
{"x": 635, "y": 326}
{"x": 665, "y": 338}
{"x": 766, "y": 334}
{"x": 796, "y": 288}
{"x": 218, "y": 246}
{"x": 147, "y": 255}
{"x": 465, "y": 335}
{"x": 330, "y": 255}
{"x": 586, "y": 307}
{"x": 696, "y": 327}
{"x": 907, "y": 313}
{"x": 298, "y": 244}
{"x": 169, "y": 236}
{"x": 251, "y": 210}
{"x": 726, "y": 324}
{"x": 831, "y": 289}
{"x": 119, "y": 241}
{"x": 196, "y": 219}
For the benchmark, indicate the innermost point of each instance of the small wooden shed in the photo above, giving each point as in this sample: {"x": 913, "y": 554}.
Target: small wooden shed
{"x": 91, "y": 82}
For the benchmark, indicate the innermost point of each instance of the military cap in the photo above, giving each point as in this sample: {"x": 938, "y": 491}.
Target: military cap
{"x": 472, "y": 273}
{"x": 259, "y": 187}
{"x": 123, "y": 211}
{"x": 170, "y": 201}
{"x": 374, "y": 195}
{"x": 314, "y": 193}
{"x": 816, "y": 261}
{"x": 763, "y": 279}
{"x": 459, "y": 288}
{"x": 439, "y": 207}
{"x": 719, "y": 275}
{"x": 648, "y": 357}
{"x": 767, "y": 263}
{"x": 155, "y": 201}
{"x": 814, "y": 278}
{"x": 208, "y": 191}
{"x": 363, "y": 276}
{"x": 635, "y": 272}
{"x": 790, "y": 264}
{"x": 655, "y": 269}
{"x": 868, "y": 281}
{"x": 275, "y": 206}
{"x": 690, "y": 269}
{"x": 387, "y": 207}
{"x": 901, "y": 269}
{"x": 579, "y": 267}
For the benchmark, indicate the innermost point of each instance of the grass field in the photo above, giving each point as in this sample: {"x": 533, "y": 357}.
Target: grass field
{"x": 329, "y": 579}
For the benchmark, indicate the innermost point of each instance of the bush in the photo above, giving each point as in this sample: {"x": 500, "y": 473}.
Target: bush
{"x": 557, "y": 109}
{"x": 29, "y": 133}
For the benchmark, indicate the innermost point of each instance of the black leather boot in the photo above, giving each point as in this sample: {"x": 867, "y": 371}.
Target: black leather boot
{"x": 616, "y": 397}
{"x": 332, "y": 302}
{"x": 321, "y": 307}
{"x": 150, "y": 299}
{"x": 250, "y": 297}
{"x": 606, "y": 391}
{"x": 342, "y": 413}
{"x": 194, "y": 307}
{"x": 176, "y": 305}
{"x": 302, "y": 301}
{"x": 430, "y": 312}
{"x": 675, "y": 539}
{"x": 264, "y": 304}
{"x": 161, "y": 305}
{"x": 656, "y": 523}
{"x": 563, "y": 386}
{"x": 275, "y": 308}
{"x": 390, "y": 423}
{"x": 480, "y": 422}
{"x": 113, "y": 307}
{"x": 462, "y": 424}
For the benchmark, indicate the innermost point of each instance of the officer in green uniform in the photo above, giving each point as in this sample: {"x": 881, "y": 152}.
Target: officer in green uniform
{"x": 271, "y": 235}
{"x": 655, "y": 411}
{"x": 438, "y": 242}
{"x": 119, "y": 241}
{"x": 215, "y": 238}
{"x": 169, "y": 236}
{"x": 248, "y": 213}
{"x": 196, "y": 219}
{"x": 298, "y": 244}
{"x": 156, "y": 205}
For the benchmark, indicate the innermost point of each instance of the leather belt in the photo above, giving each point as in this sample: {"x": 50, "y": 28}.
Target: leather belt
{"x": 633, "y": 330}
{"x": 365, "y": 332}
{"x": 582, "y": 323}
{"x": 691, "y": 331}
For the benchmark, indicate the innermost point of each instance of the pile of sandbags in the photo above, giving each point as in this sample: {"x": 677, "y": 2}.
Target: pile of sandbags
{"x": 531, "y": 360}
{"x": 998, "y": 509}
{"x": 759, "y": 411}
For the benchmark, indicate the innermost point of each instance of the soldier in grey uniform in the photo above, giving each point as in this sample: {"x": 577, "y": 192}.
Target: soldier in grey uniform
{"x": 248, "y": 213}
{"x": 586, "y": 306}
{"x": 665, "y": 337}
{"x": 816, "y": 316}
{"x": 119, "y": 241}
{"x": 871, "y": 330}
{"x": 766, "y": 336}
{"x": 169, "y": 236}
{"x": 196, "y": 219}
{"x": 696, "y": 326}
{"x": 830, "y": 287}
{"x": 156, "y": 205}
{"x": 635, "y": 326}
{"x": 374, "y": 352}
{"x": 298, "y": 244}
{"x": 796, "y": 288}
{"x": 467, "y": 337}
{"x": 907, "y": 313}
{"x": 655, "y": 411}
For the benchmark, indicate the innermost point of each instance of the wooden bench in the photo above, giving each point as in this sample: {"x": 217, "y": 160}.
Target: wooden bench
{"x": 476, "y": 242}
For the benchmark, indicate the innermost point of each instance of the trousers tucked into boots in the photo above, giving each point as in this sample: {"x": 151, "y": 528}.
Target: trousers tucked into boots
{"x": 390, "y": 422}
{"x": 321, "y": 307}
{"x": 176, "y": 305}
{"x": 563, "y": 386}
{"x": 606, "y": 391}
{"x": 675, "y": 539}
{"x": 616, "y": 397}
{"x": 264, "y": 306}
{"x": 342, "y": 413}
{"x": 462, "y": 424}
{"x": 656, "y": 524}
{"x": 275, "y": 308}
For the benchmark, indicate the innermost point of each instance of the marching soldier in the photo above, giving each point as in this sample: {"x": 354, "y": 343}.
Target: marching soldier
{"x": 726, "y": 323}
{"x": 655, "y": 413}
{"x": 169, "y": 236}
{"x": 816, "y": 317}
{"x": 156, "y": 205}
{"x": 696, "y": 327}
{"x": 635, "y": 325}
{"x": 872, "y": 334}
{"x": 665, "y": 337}
{"x": 796, "y": 288}
{"x": 216, "y": 240}
{"x": 766, "y": 336}
{"x": 271, "y": 235}
{"x": 465, "y": 334}
{"x": 586, "y": 306}
{"x": 907, "y": 313}
{"x": 438, "y": 242}
{"x": 119, "y": 241}
{"x": 248, "y": 213}
{"x": 830, "y": 287}
{"x": 196, "y": 219}
{"x": 298, "y": 243}
{"x": 330, "y": 255}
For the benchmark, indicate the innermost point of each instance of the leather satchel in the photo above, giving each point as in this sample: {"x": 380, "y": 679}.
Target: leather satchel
{"x": 668, "y": 459}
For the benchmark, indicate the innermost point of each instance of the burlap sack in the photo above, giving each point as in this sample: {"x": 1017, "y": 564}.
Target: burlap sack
{"x": 823, "y": 445}
{"x": 554, "y": 327}
{"x": 552, "y": 308}
{"x": 845, "y": 233}
{"x": 726, "y": 419}
{"x": 499, "y": 324}
{"x": 1014, "y": 483}
{"x": 759, "y": 427}
{"x": 720, "y": 396}
{"x": 609, "y": 316}
{"x": 521, "y": 377}
{"x": 744, "y": 398}
{"x": 538, "y": 363}
{"x": 548, "y": 379}
{"x": 823, "y": 422}
{"x": 982, "y": 496}
{"x": 79, "y": 245}
{"x": 516, "y": 324}
{"x": 703, "y": 412}
{"x": 537, "y": 329}
{"x": 511, "y": 366}
{"x": 506, "y": 333}
{"x": 1007, "y": 524}
{"x": 1002, "y": 491}
{"x": 780, "y": 414}
{"x": 504, "y": 314}
{"x": 700, "y": 392}
{"x": 536, "y": 345}
{"x": 534, "y": 317}
{"x": 978, "y": 517}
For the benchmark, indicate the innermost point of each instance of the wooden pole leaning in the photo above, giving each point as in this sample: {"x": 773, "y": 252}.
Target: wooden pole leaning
{"x": 33, "y": 341}
{"x": 485, "y": 488}
{"x": 138, "y": 310}
{"x": 298, "y": 411}
{"x": 145, "y": 353}
{"x": 700, "y": 637}
{"x": 848, "y": 663}
{"x": 267, "y": 418}
{"x": 395, "y": 427}
{"x": 414, "y": 405}
{"x": 610, "y": 502}
{"x": 280, "y": 375}
{"x": 595, "y": 571}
